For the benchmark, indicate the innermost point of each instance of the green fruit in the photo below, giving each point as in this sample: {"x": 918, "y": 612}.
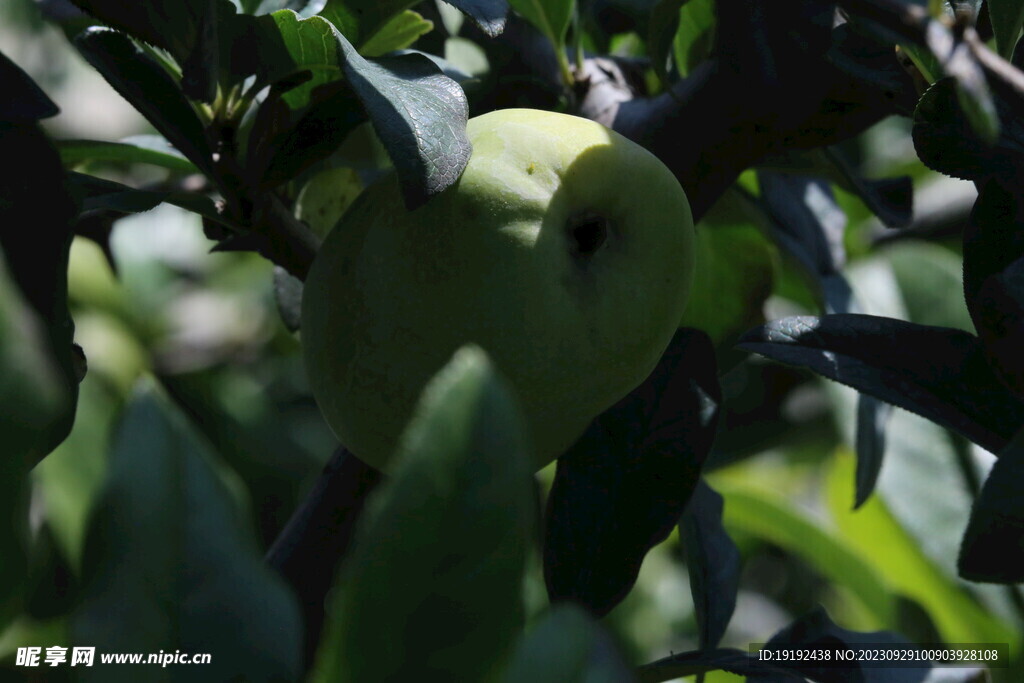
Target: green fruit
{"x": 564, "y": 250}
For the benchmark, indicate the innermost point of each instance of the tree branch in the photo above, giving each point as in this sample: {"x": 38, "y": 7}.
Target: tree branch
{"x": 310, "y": 547}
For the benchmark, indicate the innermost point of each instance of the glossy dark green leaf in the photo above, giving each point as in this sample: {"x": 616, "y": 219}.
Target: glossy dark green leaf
{"x": 938, "y": 373}
{"x": 621, "y": 489}
{"x": 713, "y": 562}
{"x": 169, "y": 565}
{"x": 993, "y": 545}
{"x": 1007, "y": 17}
{"x": 168, "y": 24}
{"x": 148, "y": 88}
{"x": 419, "y": 114}
{"x": 946, "y": 142}
{"x": 201, "y": 67}
{"x": 187, "y": 29}
{"x": 24, "y": 101}
{"x": 567, "y": 646}
{"x": 398, "y": 33}
{"x": 144, "y": 150}
{"x": 432, "y": 586}
{"x": 489, "y": 15}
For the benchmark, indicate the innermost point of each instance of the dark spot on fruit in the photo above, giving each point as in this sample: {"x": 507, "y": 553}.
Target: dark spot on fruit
{"x": 588, "y": 232}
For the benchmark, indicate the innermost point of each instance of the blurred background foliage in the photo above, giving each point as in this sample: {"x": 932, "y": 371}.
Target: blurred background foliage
{"x": 152, "y": 301}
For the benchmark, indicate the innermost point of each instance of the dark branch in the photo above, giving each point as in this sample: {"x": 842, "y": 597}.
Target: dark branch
{"x": 311, "y": 546}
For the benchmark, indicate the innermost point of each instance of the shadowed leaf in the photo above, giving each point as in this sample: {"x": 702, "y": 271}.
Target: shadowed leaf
{"x": 993, "y": 545}
{"x": 622, "y": 487}
{"x": 419, "y": 114}
{"x": 938, "y": 373}
{"x": 713, "y": 561}
{"x": 169, "y": 565}
{"x": 432, "y": 586}
{"x": 148, "y": 88}
{"x": 567, "y": 646}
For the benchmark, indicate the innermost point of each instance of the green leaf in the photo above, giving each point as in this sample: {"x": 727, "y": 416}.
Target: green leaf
{"x": 172, "y": 25}
{"x": 99, "y": 194}
{"x": 567, "y": 646}
{"x": 52, "y": 582}
{"x": 926, "y": 274}
{"x": 891, "y": 553}
{"x": 733, "y": 276}
{"x": 662, "y": 27}
{"x": 622, "y": 487}
{"x": 69, "y": 478}
{"x": 168, "y": 564}
{"x": 359, "y": 19}
{"x": 1007, "y": 17}
{"x": 311, "y": 45}
{"x": 32, "y": 395}
{"x": 419, "y": 114}
{"x": 770, "y": 517}
{"x": 141, "y": 149}
{"x": 14, "y": 544}
{"x": 432, "y": 589}
{"x": 148, "y": 88}
{"x": 551, "y": 17}
{"x": 398, "y": 33}
{"x": 189, "y": 30}
{"x": 695, "y": 36}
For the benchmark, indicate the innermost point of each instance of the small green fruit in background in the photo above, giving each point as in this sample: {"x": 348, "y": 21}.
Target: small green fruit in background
{"x": 564, "y": 250}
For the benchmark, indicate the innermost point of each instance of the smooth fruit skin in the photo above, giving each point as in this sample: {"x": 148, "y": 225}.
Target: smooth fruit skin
{"x": 564, "y": 250}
